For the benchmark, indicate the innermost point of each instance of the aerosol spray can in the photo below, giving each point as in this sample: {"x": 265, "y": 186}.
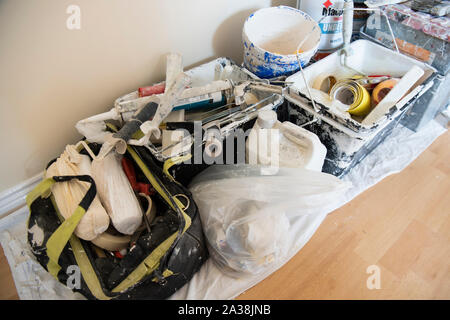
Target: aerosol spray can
{"x": 331, "y": 12}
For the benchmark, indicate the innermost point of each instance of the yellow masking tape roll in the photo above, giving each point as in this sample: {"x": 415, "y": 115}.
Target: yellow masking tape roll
{"x": 324, "y": 82}
{"x": 352, "y": 94}
{"x": 362, "y": 106}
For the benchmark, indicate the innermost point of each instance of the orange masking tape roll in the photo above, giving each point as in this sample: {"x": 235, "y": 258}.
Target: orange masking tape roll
{"x": 382, "y": 89}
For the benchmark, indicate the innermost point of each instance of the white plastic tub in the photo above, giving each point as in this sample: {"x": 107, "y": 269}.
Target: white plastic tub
{"x": 271, "y": 37}
{"x": 368, "y": 58}
{"x": 348, "y": 141}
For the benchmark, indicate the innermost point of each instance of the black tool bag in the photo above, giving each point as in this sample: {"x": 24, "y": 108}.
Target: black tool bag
{"x": 160, "y": 262}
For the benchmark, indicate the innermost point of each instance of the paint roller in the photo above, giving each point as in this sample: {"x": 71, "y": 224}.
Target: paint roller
{"x": 113, "y": 186}
{"x": 176, "y": 82}
{"x": 394, "y": 95}
{"x": 347, "y": 29}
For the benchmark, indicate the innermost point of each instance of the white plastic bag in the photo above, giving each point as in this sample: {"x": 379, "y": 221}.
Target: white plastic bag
{"x": 245, "y": 212}
{"x": 69, "y": 194}
{"x": 116, "y": 193}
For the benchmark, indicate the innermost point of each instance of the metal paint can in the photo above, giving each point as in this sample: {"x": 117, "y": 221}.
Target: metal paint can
{"x": 331, "y": 26}
{"x": 322, "y": 54}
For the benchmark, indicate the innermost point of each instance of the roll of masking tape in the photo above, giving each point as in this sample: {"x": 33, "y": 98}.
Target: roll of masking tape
{"x": 324, "y": 82}
{"x": 352, "y": 94}
{"x": 382, "y": 89}
{"x": 114, "y": 241}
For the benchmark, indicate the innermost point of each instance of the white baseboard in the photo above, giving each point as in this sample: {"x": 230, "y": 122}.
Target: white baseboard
{"x": 14, "y": 198}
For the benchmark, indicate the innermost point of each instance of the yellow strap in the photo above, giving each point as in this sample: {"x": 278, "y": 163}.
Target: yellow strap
{"x": 86, "y": 269}
{"x": 59, "y": 239}
{"x": 147, "y": 266}
{"x": 152, "y": 261}
{"x": 137, "y": 135}
{"x": 173, "y": 161}
{"x": 83, "y": 262}
{"x": 157, "y": 187}
{"x": 41, "y": 190}
{"x": 166, "y": 273}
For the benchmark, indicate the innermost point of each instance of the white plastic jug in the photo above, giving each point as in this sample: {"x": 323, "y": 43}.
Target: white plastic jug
{"x": 272, "y": 143}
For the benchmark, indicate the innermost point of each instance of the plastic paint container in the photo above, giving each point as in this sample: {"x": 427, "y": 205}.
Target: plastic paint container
{"x": 331, "y": 25}
{"x": 271, "y": 37}
{"x": 347, "y": 139}
{"x": 283, "y": 144}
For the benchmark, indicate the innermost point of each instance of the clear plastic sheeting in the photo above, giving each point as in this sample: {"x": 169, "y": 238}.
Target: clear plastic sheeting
{"x": 391, "y": 156}
{"x": 401, "y": 148}
{"x": 32, "y": 281}
{"x": 246, "y": 211}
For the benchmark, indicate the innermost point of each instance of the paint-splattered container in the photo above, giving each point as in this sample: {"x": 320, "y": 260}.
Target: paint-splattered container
{"x": 348, "y": 140}
{"x": 271, "y": 37}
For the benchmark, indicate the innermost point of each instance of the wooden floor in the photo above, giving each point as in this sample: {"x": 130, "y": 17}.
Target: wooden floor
{"x": 401, "y": 225}
{"x": 7, "y": 288}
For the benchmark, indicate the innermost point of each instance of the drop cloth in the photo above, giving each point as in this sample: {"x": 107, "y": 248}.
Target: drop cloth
{"x": 391, "y": 156}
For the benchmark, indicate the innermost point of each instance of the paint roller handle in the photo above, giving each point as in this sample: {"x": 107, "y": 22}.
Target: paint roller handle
{"x": 347, "y": 30}
{"x": 119, "y": 139}
{"x": 166, "y": 105}
{"x": 130, "y": 128}
{"x": 138, "y": 187}
{"x": 129, "y": 172}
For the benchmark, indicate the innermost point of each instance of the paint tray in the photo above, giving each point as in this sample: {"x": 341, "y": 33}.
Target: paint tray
{"x": 423, "y": 37}
{"x": 348, "y": 140}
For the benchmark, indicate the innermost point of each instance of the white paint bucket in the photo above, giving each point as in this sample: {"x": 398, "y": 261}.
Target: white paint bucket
{"x": 271, "y": 37}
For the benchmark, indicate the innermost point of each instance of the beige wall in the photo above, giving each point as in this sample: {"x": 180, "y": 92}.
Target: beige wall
{"x": 51, "y": 77}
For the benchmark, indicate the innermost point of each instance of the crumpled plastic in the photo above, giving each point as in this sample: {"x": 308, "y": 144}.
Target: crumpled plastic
{"x": 245, "y": 211}
{"x": 393, "y": 155}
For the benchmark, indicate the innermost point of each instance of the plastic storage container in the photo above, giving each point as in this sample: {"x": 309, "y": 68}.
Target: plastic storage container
{"x": 294, "y": 146}
{"x": 271, "y": 36}
{"x": 347, "y": 140}
{"x": 425, "y": 38}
